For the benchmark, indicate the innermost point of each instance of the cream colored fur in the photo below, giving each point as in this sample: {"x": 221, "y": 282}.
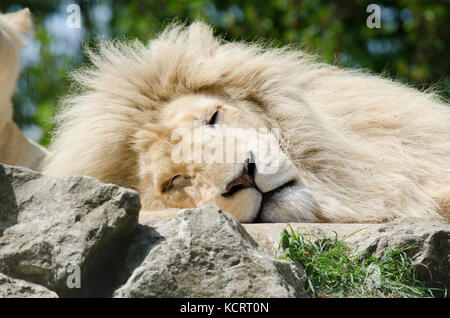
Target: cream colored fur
{"x": 366, "y": 148}
{"x": 15, "y": 148}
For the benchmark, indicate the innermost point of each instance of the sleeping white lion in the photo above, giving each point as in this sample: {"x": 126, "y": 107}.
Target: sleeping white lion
{"x": 348, "y": 146}
{"x": 15, "y": 148}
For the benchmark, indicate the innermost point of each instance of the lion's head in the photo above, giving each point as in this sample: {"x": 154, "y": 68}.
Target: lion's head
{"x": 210, "y": 149}
{"x": 141, "y": 107}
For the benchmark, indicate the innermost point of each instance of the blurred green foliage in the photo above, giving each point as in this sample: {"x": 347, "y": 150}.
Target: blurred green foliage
{"x": 412, "y": 44}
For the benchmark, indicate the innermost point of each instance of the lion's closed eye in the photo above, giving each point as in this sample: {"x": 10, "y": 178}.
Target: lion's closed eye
{"x": 215, "y": 117}
{"x": 177, "y": 181}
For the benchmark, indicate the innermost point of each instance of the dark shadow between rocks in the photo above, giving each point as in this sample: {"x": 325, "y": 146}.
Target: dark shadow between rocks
{"x": 9, "y": 209}
{"x": 432, "y": 269}
{"x": 131, "y": 253}
{"x": 104, "y": 268}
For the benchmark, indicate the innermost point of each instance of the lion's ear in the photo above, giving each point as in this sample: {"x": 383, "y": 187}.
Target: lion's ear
{"x": 21, "y": 20}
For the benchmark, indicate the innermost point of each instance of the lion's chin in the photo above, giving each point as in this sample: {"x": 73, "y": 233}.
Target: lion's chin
{"x": 292, "y": 202}
{"x": 244, "y": 205}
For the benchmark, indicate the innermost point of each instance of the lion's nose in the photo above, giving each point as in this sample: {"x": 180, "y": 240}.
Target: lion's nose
{"x": 246, "y": 180}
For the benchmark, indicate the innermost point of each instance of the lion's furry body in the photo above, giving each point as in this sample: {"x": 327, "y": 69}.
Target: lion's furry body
{"x": 368, "y": 148}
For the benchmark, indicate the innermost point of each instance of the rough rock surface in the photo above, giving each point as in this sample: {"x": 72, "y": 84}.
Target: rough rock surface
{"x": 430, "y": 242}
{"x": 204, "y": 253}
{"x": 50, "y": 224}
{"x": 16, "y": 288}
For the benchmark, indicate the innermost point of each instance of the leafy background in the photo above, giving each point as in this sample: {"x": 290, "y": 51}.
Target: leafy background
{"x": 411, "y": 46}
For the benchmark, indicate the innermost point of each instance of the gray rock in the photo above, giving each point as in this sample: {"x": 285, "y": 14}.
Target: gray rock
{"x": 430, "y": 242}
{"x": 48, "y": 225}
{"x": 51, "y": 225}
{"x": 16, "y": 288}
{"x": 204, "y": 253}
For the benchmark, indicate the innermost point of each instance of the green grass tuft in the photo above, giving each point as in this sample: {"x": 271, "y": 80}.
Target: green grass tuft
{"x": 333, "y": 269}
